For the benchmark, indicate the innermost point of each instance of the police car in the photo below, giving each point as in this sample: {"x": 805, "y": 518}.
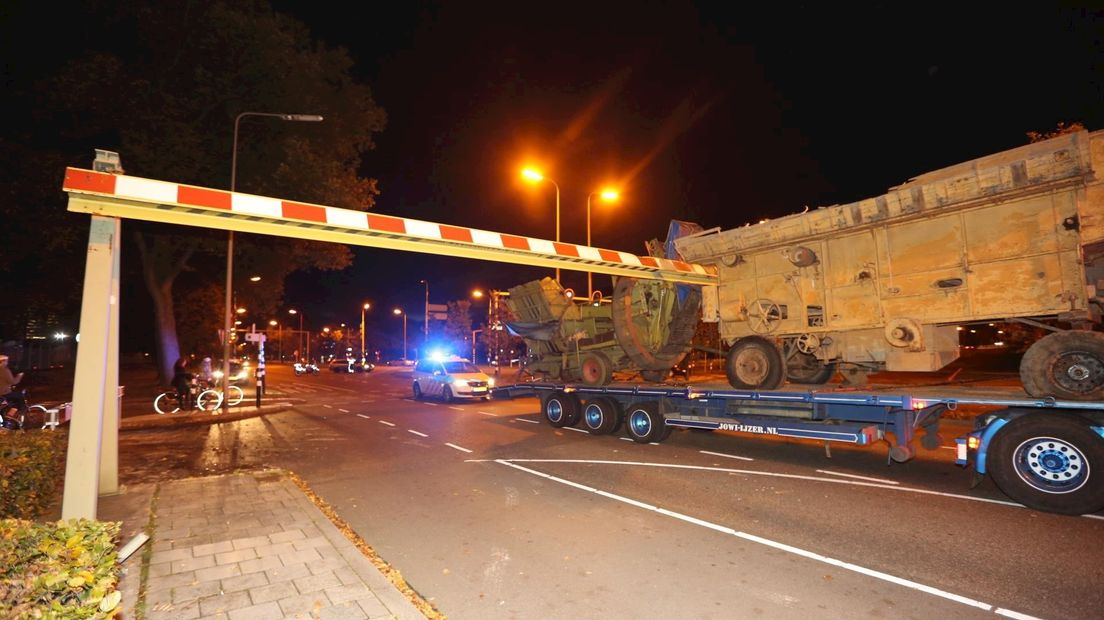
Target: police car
{"x": 450, "y": 378}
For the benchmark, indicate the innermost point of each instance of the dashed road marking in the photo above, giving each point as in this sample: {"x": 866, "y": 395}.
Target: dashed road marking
{"x": 328, "y": 406}
{"x": 385, "y": 422}
{"x": 527, "y": 420}
{"x": 343, "y": 410}
{"x": 572, "y": 428}
{"x": 489, "y": 413}
{"x": 417, "y": 433}
{"x": 727, "y": 456}
{"x": 361, "y": 415}
{"x": 452, "y": 445}
{"x": 457, "y": 408}
{"x": 868, "y": 479}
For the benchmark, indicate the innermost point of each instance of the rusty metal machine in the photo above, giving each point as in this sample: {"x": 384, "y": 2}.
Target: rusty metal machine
{"x": 885, "y": 283}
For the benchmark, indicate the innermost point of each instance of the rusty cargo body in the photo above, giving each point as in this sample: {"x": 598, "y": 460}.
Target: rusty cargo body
{"x": 884, "y": 283}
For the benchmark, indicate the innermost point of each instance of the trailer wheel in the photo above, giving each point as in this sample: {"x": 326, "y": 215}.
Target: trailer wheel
{"x": 1046, "y": 462}
{"x": 755, "y": 362}
{"x": 1067, "y": 365}
{"x": 560, "y": 409}
{"x": 807, "y": 369}
{"x": 596, "y": 369}
{"x": 601, "y": 416}
{"x": 644, "y": 423}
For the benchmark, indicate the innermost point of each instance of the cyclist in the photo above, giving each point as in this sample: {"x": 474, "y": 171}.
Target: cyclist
{"x": 182, "y": 381}
{"x": 13, "y": 400}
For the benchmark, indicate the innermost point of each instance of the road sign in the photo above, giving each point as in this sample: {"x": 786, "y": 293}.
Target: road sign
{"x": 254, "y": 337}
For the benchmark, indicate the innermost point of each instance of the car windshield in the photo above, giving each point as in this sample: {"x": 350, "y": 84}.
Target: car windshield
{"x": 460, "y": 367}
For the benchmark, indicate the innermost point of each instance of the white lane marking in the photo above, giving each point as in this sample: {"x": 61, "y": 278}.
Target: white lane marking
{"x": 727, "y": 456}
{"x": 328, "y": 406}
{"x": 1008, "y": 613}
{"x": 361, "y": 415}
{"x": 489, "y": 413}
{"x": 767, "y": 542}
{"x": 343, "y": 410}
{"x": 385, "y": 422}
{"x": 1094, "y": 517}
{"x": 836, "y": 473}
{"x": 417, "y": 433}
{"x": 771, "y": 474}
{"x": 452, "y": 445}
{"x": 367, "y": 401}
{"x": 457, "y": 408}
{"x": 527, "y": 420}
{"x": 626, "y": 439}
{"x": 432, "y": 404}
{"x": 572, "y": 428}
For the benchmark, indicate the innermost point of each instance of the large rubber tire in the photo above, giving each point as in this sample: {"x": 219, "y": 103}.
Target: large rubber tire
{"x": 596, "y": 369}
{"x": 561, "y": 409}
{"x": 446, "y": 395}
{"x": 654, "y": 376}
{"x": 755, "y": 363}
{"x": 644, "y": 423}
{"x": 1049, "y": 461}
{"x": 808, "y": 370}
{"x": 651, "y": 326}
{"x": 235, "y": 395}
{"x": 1066, "y": 365}
{"x": 166, "y": 403}
{"x": 601, "y": 416}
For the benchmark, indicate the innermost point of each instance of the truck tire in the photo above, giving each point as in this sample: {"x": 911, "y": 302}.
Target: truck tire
{"x": 755, "y": 362}
{"x": 650, "y": 338}
{"x": 808, "y": 370}
{"x": 560, "y": 409}
{"x": 644, "y": 423}
{"x": 602, "y": 416}
{"x": 596, "y": 369}
{"x": 1046, "y": 461}
{"x": 1067, "y": 365}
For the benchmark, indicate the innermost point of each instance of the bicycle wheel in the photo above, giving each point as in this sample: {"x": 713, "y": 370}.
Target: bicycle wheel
{"x": 234, "y": 395}
{"x": 209, "y": 400}
{"x": 35, "y": 417}
{"x": 166, "y": 403}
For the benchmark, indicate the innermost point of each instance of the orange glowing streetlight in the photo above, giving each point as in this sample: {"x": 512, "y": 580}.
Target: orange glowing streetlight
{"x": 399, "y": 312}
{"x": 536, "y": 176}
{"x": 607, "y": 194}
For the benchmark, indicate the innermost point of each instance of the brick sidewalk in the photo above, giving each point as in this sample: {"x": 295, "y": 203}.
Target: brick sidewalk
{"x": 242, "y": 547}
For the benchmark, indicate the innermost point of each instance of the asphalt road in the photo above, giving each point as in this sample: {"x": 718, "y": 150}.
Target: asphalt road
{"x": 490, "y": 513}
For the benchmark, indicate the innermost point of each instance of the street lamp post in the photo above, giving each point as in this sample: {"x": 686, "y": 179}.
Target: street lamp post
{"x": 294, "y": 311}
{"x": 425, "y": 328}
{"x": 536, "y": 176}
{"x": 230, "y": 237}
{"x": 474, "y": 332}
{"x": 279, "y": 337}
{"x": 397, "y": 312}
{"x": 608, "y": 195}
{"x": 363, "y": 309}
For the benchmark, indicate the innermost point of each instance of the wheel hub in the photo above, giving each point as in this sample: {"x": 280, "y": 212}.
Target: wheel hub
{"x": 555, "y": 410}
{"x": 1079, "y": 372}
{"x": 640, "y": 424}
{"x": 1052, "y": 465}
{"x": 751, "y": 366}
{"x": 593, "y": 416}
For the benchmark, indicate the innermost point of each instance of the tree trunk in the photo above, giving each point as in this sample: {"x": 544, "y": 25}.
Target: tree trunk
{"x": 162, "y": 261}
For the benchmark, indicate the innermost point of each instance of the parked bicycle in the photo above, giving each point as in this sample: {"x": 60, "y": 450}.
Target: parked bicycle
{"x": 16, "y": 415}
{"x": 171, "y": 401}
{"x": 235, "y": 396}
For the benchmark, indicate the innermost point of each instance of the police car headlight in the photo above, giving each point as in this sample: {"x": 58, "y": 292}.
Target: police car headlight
{"x": 490, "y": 382}
{"x": 460, "y": 383}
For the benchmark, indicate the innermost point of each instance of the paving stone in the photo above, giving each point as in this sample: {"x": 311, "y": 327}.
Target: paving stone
{"x": 213, "y": 548}
{"x": 264, "y": 594}
{"x": 250, "y": 542}
{"x": 224, "y": 603}
{"x": 239, "y": 555}
{"x": 168, "y": 611}
{"x": 316, "y": 582}
{"x": 343, "y": 611}
{"x": 348, "y": 577}
{"x": 311, "y": 543}
{"x": 326, "y": 565}
{"x": 350, "y": 592}
{"x": 261, "y": 564}
{"x": 264, "y": 611}
{"x": 190, "y": 564}
{"x": 218, "y": 572}
{"x": 295, "y": 557}
{"x": 244, "y": 582}
{"x": 192, "y": 541}
{"x": 183, "y": 594}
{"x": 274, "y": 549}
{"x": 374, "y": 607}
{"x": 286, "y": 536}
{"x": 176, "y": 579}
{"x": 170, "y": 556}
{"x": 160, "y": 570}
{"x": 287, "y": 573}
{"x": 303, "y": 603}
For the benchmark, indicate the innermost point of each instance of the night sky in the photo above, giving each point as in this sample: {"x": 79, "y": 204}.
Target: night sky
{"x": 716, "y": 116}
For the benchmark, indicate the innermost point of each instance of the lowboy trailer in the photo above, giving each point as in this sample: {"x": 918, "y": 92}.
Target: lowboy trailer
{"x": 1044, "y": 453}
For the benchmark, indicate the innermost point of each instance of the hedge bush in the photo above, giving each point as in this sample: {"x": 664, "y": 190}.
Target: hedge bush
{"x": 58, "y": 570}
{"x": 31, "y": 466}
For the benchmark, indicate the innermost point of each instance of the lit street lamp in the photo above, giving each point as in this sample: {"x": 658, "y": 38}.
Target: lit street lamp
{"x": 279, "y": 337}
{"x": 533, "y": 175}
{"x": 230, "y": 236}
{"x": 294, "y": 311}
{"x": 363, "y": 309}
{"x": 397, "y": 312}
{"x": 426, "y": 326}
{"x": 607, "y": 195}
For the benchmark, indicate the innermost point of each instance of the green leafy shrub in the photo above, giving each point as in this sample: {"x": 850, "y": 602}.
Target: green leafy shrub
{"x": 58, "y": 570}
{"x": 31, "y": 465}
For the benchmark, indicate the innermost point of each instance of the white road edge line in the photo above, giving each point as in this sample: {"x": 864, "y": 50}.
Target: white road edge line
{"x": 776, "y": 545}
{"x": 527, "y": 420}
{"x": 361, "y": 415}
{"x": 430, "y": 404}
{"x": 494, "y": 415}
{"x": 343, "y": 410}
{"x": 836, "y": 473}
{"x": 385, "y": 422}
{"x": 417, "y": 433}
{"x": 456, "y": 447}
{"x": 727, "y": 456}
{"x": 572, "y": 428}
{"x": 457, "y": 408}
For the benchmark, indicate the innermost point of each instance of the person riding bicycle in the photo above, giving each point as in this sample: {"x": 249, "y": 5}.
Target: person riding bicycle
{"x": 182, "y": 380}
{"x": 8, "y": 381}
